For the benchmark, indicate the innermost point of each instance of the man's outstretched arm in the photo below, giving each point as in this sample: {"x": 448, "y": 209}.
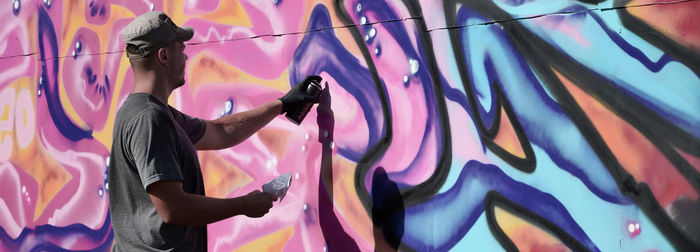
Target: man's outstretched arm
{"x": 233, "y": 129}
{"x": 180, "y": 208}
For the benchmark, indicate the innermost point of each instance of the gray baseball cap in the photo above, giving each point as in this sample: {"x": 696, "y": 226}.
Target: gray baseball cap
{"x": 151, "y": 31}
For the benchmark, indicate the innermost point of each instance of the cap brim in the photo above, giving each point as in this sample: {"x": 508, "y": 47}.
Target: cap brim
{"x": 184, "y": 33}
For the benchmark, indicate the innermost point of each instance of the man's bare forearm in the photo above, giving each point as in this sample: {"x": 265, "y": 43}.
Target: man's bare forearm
{"x": 177, "y": 207}
{"x": 180, "y": 208}
{"x": 201, "y": 210}
{"x": 233, "y": 129}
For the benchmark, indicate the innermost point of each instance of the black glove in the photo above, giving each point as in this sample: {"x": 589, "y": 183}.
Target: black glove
{"x": 297, "y": 96}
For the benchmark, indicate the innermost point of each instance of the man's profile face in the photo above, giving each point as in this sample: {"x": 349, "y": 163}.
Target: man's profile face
{"x": 177, "y": 62}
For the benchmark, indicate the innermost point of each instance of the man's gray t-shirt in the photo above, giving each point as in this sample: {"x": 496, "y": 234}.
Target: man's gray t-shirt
{"x": 152, "y": 142}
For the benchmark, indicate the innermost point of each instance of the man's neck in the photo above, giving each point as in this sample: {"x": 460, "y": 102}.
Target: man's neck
{"x": 150, "y": 83}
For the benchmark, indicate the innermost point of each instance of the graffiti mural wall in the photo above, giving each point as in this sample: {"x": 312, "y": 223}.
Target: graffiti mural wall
{"x": 537, "y": 125}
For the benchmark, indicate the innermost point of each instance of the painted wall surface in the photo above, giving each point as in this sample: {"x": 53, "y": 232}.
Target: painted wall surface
{"x": 541, "y": 125}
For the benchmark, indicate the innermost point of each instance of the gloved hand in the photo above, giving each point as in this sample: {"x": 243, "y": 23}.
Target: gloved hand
{"x": 297, "y": 96}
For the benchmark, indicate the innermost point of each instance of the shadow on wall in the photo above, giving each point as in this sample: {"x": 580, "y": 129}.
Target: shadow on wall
{"x": 387, "y": 212}
{"x": 387, "y": 203}
{"x": 333, "y": 233}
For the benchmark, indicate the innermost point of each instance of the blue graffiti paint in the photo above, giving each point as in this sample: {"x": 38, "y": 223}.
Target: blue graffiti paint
{"x": 378, "y": 50}
{"x": 483, "y": 90}
{"x": 48, "y": 49}
{"x": 93, "y": 10}
{"x": 16, "y": 7}
{"x": 33, "y": 239}
{"x": 537, "y": 111}
{"x": 107, "y": 83}
{"x": 515, "y": 2}
{"x": 331, "y": 56}
{"x": 397, "y": 31}
{"x": 440, "y": 228}
{"x": 641, "y": 75}
{"x": 432, "y": 120}
{"x": 633, "y": 51}
{"x": 90, "y": 76}
{"x": 228, "y": 107}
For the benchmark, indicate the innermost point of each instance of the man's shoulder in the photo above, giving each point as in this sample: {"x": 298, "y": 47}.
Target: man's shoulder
{"x": 140, "y": 107}
{"x": 139, "y": 103}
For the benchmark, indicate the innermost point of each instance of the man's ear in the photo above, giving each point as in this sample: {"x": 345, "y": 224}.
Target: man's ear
{"x": 162, "y": 55}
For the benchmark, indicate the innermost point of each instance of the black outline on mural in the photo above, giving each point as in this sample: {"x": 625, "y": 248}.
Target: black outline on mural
{"x": 638, "y": 192}
{"x": 431, "y": 186}
{"x": 378, "y": 149}
{"x": 494, "y": 199}
{"x": 684, "y": 55}
{"x": 424, "y": 190}
{"x": 532, "y": 48}
{"x": 689, "y": 58}
{"x": 659, "y": 131}
{"x": 489, "y": 134}
{"x": 46, "y": 34}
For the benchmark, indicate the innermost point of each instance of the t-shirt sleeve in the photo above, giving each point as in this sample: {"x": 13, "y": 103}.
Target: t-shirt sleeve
{"x": 194, "y": 127}
{"x": 153, "y": 148}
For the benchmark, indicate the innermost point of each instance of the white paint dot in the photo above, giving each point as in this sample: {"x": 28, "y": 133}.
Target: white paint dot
{"x": 151, "y": 6}
{"x": 376, "y": 51}
{"x": 363, "y": 20}
{"x": 28, "y": 200}
{"x": 24, "y": 189}
{"x": 332, "y": 145}
{"x": 107, "y": 186}
{"x": 372, "y": 32}
{"x": 413, "y": 66}
{"x": 100, "y": 192}
{"x": 303, "y": 148}
{"x": 38, "y": 92}
{"x": 229, "y": 106}
{"x": 306, "y": 136}
{"x": 636, "y": 226}
{"x": 15, "y": 4}
{"x": 358, "y": 8}
{"x": 405, "y": 79}
{"x": 630, "y": 228}
{"x": 74, "y": 53}
{"x": 77, "y": 45}
{"x": 296, "y": 175}
{"x": 305, "y": 207}
{"x": 325, "y": 248}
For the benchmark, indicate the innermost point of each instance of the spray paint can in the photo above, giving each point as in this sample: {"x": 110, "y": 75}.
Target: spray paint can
{"x": 296, "y": 116}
